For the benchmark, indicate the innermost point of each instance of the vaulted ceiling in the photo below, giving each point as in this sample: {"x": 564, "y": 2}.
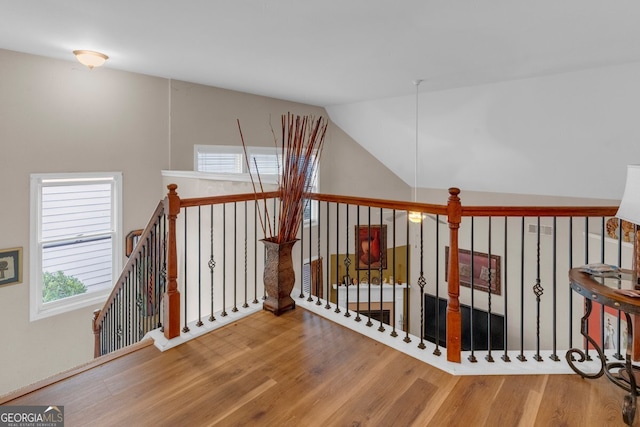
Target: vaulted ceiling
{"x": 332, "y": 53}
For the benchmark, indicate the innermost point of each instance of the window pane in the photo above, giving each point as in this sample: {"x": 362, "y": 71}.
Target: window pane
{"x": 267, "y": 164}
{"x": 220, "y": 162}
{"x": 87, "y": 261}
{"x": 75, "y": 210}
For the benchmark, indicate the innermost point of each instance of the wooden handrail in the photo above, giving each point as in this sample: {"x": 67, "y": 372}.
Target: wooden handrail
{"x": 231, "y": 198}
{"x": 534, "y": 211}
{"x": 381, "y": 203}
{"x": 99, "y": 315}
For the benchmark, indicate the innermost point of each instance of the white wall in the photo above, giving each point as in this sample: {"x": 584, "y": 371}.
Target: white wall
{"x": 565, "y": 135}
{"x": 57, "y": 116}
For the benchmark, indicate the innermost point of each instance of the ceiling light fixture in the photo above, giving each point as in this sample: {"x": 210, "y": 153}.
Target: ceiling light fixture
{"x": 416, "y": 217}
{"x": 90, "y": 58}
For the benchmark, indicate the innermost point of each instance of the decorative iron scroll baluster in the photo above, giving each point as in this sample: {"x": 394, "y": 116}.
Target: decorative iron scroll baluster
{"x": 212, "y": 265}
{"x": 521, "y": 357}
{"x": 491, "y": 278}
{"x": 505, "y": 356}
{"x": 246, "y": 283}
{"x": 328, "y": 306}
{"x": 224, "y": 261}
{"x": 421, "y": 282}
{"x": 437, "y": 351}
{"x": 380, "y": 255}
{"x": 393, "y": 277}
{"x": 472, "y": 356}
{"x": 186, "y": 283}
{"x": 538, "y": 291}
{"x": 337, "y": 310}
{"x": 199, "y": 322}
{"x": 347, "y": 263}
{"x": 554, "y": 355}
{"x": 357, "y": 268}
{"x": 408, "y": 293}
{"x": 235, "y": 257}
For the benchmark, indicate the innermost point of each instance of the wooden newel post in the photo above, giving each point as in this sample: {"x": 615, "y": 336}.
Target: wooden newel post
{"x": 97, "y": 329}
{"x": 172, "y": 296}
{"x": 454, "y": 318}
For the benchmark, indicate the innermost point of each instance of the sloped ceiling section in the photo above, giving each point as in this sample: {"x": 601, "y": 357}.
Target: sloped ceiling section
{"x": 570, "y": 134}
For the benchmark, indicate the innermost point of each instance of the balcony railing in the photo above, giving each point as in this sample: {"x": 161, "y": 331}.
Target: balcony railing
{"x": 362, "y": 259}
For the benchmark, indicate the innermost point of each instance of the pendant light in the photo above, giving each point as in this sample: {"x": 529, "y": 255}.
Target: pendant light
{"x": 416, "y": 217}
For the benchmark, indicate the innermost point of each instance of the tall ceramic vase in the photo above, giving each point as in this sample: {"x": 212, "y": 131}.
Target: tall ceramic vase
{"x": 279, "y": 276}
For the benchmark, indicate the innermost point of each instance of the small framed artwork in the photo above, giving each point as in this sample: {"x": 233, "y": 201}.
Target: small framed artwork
{"x": 371, "y": 247}
{"x": 482, "y": 272}
{"x": 10, "y": 266}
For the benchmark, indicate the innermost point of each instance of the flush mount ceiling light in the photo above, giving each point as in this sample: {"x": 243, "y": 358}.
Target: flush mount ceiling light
{"x": 90, "y": 58}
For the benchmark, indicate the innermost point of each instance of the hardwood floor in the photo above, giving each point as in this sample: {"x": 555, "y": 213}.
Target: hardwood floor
{"x": 302, "y": 370}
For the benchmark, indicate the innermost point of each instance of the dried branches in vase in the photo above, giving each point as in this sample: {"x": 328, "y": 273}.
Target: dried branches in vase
{"x": 299, "y": 149}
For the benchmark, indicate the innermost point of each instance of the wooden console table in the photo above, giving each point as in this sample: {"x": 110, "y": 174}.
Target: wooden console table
{"x": 605, "y": 290}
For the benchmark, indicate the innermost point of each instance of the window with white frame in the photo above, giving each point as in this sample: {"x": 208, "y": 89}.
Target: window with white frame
{"x": 230, "y": 160}
{"x": 75, "y": 240}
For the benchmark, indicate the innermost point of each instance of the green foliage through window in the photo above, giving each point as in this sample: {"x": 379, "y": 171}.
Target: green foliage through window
{"x": 57, "y": 285}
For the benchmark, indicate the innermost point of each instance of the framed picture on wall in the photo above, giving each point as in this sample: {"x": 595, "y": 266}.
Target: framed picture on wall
{"x": 480, "y": 272}
{"x": 10, "y": 266}
{"x": 371, "y": 247}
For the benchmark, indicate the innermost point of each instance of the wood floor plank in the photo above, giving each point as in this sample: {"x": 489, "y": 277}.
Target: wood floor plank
{"x": 302, "y": 370}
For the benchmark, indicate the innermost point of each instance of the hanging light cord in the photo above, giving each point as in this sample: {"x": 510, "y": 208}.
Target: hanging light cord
{"x": 415, "y": 175}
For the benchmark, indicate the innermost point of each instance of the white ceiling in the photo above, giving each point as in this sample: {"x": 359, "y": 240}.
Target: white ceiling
{"x": 357, "y": 58}
{"x": 330, "y": 52}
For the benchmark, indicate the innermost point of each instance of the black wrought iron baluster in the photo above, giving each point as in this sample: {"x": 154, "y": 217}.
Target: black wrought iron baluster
{"x": 393, "y": 277}
{"x": 586, "y": 261}
{"x": 199, "y": 322}
{"x": 505, "y": 356}
{"x": 617, "y": 354}
{"x": 255, "y": 254}
{"x": 569, "y": 289}
{"x": 224, "y": 261}
{"x": 382, "y": 237}
{"x": 554, "y": 355}
{"x": 369, "y": 323}
{"x": 212, "y": 265}
{"x": 235, "y": 257}
{"x": 318, "y": 282}
{"x": 437, "y": 351}
{"x": 186, "y": 283}
{"x": 521, "y": 357}
{"x": 347, "y": 263}
{"x": 310, "y": 296}
{"x": 337, "y": 310}
{"x": 406, "y": 316}
{"x": 246, "y": 283}
{"x": 472, "y": 356}
{"x": 328, "y": 255}
{"x": 356, "y": 252}
{"x": 302, "y": 254}
{"x": 421, "y": 282}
